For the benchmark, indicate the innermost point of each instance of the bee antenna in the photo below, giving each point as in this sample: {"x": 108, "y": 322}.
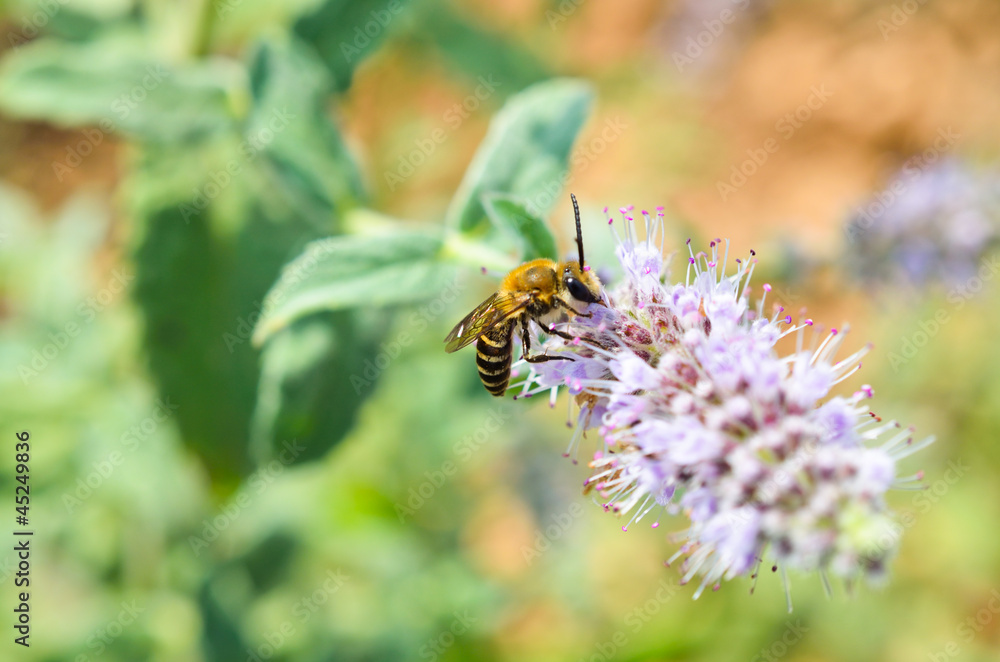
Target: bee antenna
{"x": 579, "y": 232}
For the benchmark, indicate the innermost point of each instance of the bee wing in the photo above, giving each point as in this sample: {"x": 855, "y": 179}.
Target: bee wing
{"x": 486, "y": 315}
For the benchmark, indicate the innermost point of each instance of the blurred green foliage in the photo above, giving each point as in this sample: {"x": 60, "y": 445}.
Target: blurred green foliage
{"x": 248, "y": 443}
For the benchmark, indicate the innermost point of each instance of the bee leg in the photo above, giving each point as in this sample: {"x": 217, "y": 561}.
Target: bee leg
{"x": 562, "y": 334}
{"x": 544, "y": 357}
{"x": 563, "y": 304}
{"x": 526, "y": 348}
{"x": 568, "y": 336}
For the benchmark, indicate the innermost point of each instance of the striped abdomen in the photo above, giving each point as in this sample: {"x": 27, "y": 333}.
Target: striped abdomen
{"x": 493, "y": 354}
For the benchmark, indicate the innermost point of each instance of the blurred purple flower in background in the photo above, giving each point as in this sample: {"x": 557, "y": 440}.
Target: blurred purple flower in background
{"x": 699, "y": 34}
{"x": 928, "y": 225}
{"x": 700, "y": 413}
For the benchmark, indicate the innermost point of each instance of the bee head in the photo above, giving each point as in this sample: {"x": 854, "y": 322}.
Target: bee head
{"x": 581, "y": 284}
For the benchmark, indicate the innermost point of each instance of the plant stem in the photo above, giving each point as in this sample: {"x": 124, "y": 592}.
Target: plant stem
{"x": 458, "y": 248}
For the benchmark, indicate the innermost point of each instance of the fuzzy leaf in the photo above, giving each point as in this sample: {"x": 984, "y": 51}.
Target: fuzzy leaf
{"x": 113, "y": 84}
{"x": 510, "y": 214}
{"x": 345, "y": 272}
{"x": 525, "y": 152}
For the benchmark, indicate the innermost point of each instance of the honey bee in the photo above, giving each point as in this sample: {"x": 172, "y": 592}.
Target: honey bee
{"x": 541, "y": 290}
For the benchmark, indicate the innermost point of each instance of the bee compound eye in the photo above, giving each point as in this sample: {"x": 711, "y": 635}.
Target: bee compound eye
{"x": 578, "y": 290}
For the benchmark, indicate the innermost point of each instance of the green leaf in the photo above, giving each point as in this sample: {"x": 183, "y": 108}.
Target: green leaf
{"x": 316, "y": 361}
{"x": 290, "y": 90}
{"x": 241, "y": 206}
{"x": 344, "y": 272}
{"x": 525, "y": 151}
{"x": 184, "y": 291}
{"x": 70, "y": 24}
{"x": 200, "y": 290}
{"x": 344, "y": 32}
{"x": 114, "y": 84}
{"x": 511, "y": 215}
{"x": 479, "y": 54}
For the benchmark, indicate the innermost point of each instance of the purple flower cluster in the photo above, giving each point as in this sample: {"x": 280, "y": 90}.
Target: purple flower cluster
{"x": 930, "y": 224}
{"x": 701, "y": 413}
